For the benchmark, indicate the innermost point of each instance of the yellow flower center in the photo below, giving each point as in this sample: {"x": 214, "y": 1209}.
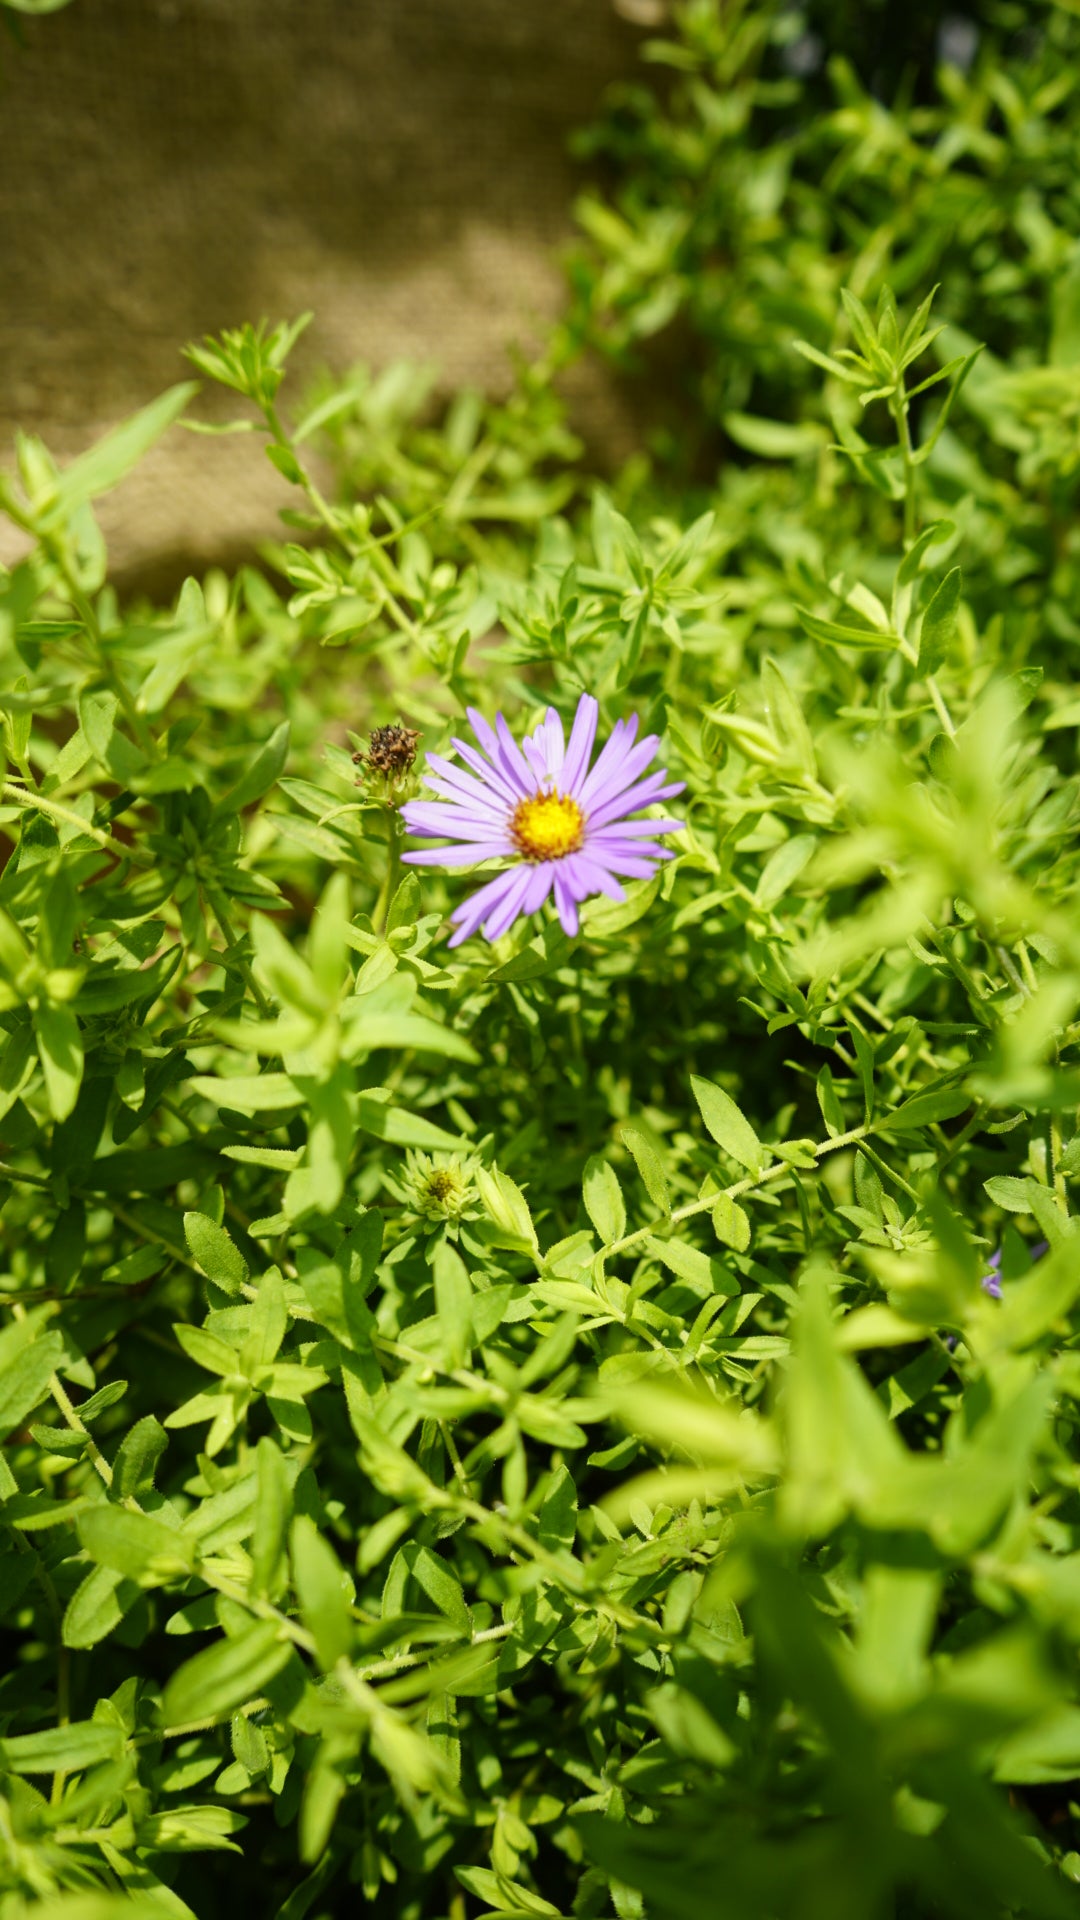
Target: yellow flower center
{"x": 548, "y": 826}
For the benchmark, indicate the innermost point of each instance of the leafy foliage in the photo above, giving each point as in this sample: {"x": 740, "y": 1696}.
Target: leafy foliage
{"x": 520, "y": 1430}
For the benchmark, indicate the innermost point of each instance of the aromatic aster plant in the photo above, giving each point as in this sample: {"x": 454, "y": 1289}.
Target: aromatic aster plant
{"x": 521, "y": 1424}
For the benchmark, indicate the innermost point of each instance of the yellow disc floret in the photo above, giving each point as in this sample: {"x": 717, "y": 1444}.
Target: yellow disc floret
{"x": 547, "y": 826}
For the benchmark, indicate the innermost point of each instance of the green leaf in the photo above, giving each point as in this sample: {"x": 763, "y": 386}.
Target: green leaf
{"x": 558, "y": 1516}
{"x": 224, "y": 1676}
{"x": 604, "y": 1202}
{"x": 730, "y": 1223}
{"x": 939, "y": 622}
{"x": 924, "y": 1109}
{"x": 783, "y": 867}
{"x": 250, "y": 1745}
{"x": 728, "y": 1125}
{"x": 97, "y": 717}
{"x": 442, "y": 1587}
{"x": 323, "y": 1592}
{"x": 704, "y": 1275}
{"x": 648, "y": 1163}
{"x": 688, "y": 1727}
{"x": 208, "y": 1350}
{"x": 25, "y": 1376}
{"x": 265, "y": 767}
{"x": 497, "y": 1891}
{"x": 83, "y": 1743}
{"x": 133, "y": 1544}
{"x": 506, "y": 1206}
{"x": 273, "y": 1507}
{"x": 831, "y": 1111}
{"x": 286, "y": 462}
{"x": 137, "y": 1457}
{"x": 775, "y": 439}
{"x": 100, "y": 469}
{"x": 841, "y": 634}
{"x": 1014, "y": 1195}
{"x": 453, "y": 1302}
{"x": 97, "y": 1607}
{"x": 369, "y": 1030}
{"x": 216, "y": 1252}
{"x": 249, "y": 1093}
{"x": 61, "y": 1054}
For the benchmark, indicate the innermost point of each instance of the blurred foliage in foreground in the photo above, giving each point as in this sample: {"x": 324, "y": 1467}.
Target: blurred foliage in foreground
{"x": 522, "y": 1431}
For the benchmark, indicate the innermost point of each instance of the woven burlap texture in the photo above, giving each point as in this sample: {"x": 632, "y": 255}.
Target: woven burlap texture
{"x": 169, "y": 167}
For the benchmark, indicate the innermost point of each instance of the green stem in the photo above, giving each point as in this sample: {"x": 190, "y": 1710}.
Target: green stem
{"x": 60, "y": 1395}
{"x": 379, "y": 560}
{"x": 84, "y": 607}
{"x": 1056, "y": 1175}
{"x": 890, "y": 1173}
{"x": 940, "y": 708}
{"x": 221, "y": 915}
{"x": 16, "y": 1173}
{"x": 66, "y": 816}
{"x": 393, "y": 871}
{"x": 739, "y": 1187}
{"x": 898, "y": 409}
{"x": 284, "y": 439}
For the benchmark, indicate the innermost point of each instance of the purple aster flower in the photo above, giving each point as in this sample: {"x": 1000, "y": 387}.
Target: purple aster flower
{"x": 564, "y": 826}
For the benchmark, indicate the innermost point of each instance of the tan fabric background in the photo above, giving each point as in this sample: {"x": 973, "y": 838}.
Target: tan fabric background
{"x": 169, "y": 167}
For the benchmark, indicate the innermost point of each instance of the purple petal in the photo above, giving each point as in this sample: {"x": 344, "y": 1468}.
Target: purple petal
{"x": 536, "y": 757}
{"x": 612, "y": 755}
{"x": 613, "y": 841}
{"x": 586, "y": 877}
{"x": 512, "y": 760}
{"x": 502, "y": 917}
{"x": 492, "y": 776}
{"x": 623, "y": 768}
{"x": 443, "y": 777}
{"x": 991, "y": 1284}
{"x": 566, "y": 906}
{"x": 444, "y": 816}
{"x": 645, "y": 794}
{"x": 632, "y": 861}
{"x": 628, "y": 829}
{"x": 582, "y": 735}
{"x": 468, "y": 916}
{"x": 540, "y": 883}
{"x": 484, "y": 731}
{"x": 545, "y": 749}
{"x": 620, "y": 778}
{"x": 508, "y": 770}
{"x": 467, "y": 854}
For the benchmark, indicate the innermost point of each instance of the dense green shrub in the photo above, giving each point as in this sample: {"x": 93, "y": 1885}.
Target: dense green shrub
{"x": 525, "y": 1430}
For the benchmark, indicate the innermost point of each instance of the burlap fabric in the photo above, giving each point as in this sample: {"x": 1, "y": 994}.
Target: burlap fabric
{"x": 169, "y": 167}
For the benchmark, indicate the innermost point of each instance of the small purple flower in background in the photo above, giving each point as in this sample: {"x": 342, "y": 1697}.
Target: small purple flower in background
{"x": 991, "y": 1282}
{"x": 565, "y": 826}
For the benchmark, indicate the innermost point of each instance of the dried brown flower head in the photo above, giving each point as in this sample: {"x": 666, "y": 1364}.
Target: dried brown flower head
{"x": 391, "y": 751}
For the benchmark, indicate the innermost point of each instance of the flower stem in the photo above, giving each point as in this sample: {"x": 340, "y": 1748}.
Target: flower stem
{"x": 65, "y": 816}
{"x": 898, "y": 409}
{"x": 393, "y": 871}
